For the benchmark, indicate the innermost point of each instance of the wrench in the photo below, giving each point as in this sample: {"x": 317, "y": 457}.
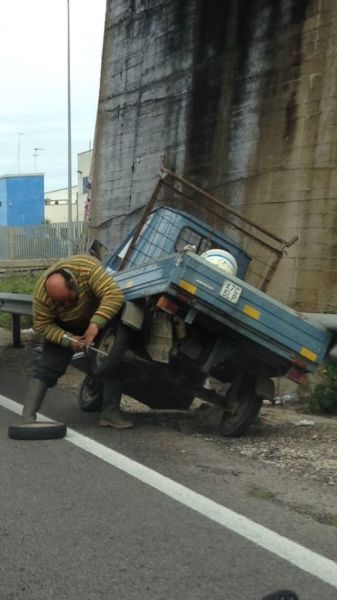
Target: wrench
{"x": 91, "y": 347}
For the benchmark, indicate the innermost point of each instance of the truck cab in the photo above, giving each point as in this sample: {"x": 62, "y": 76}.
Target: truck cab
{"x": 167, "y": 231}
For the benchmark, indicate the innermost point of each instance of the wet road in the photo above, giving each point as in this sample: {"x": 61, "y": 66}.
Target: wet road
{"x": 74, "y": 525}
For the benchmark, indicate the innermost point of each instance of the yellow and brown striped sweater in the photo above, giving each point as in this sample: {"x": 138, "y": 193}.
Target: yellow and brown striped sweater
{"x": 99, "y": 299}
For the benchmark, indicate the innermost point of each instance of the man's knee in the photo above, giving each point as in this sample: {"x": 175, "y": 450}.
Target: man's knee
{"x": 48, "y": 379}
{"x": 53, "y": 363}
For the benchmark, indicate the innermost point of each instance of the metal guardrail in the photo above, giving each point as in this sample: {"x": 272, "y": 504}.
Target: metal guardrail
{"x": 16, "y": 305}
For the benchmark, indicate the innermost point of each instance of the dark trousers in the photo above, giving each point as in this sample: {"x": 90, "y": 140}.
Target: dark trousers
{"x": 53, "y": 363}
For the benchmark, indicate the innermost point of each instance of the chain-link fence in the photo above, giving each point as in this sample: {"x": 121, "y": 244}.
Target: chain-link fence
{"x": 39, "y": 241}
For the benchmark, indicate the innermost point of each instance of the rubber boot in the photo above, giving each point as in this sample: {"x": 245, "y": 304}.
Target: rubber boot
{"x": 111, "y": 415}
{"x": 33, "y": 400}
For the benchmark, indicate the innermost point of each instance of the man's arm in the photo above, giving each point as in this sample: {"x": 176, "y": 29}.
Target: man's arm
{"x": 44, "y": 324}
{"x": 109, "y": 294}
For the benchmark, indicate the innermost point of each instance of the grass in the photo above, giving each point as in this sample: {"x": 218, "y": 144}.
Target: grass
{"x": 323, "y": 399}
{"x": 17, "y": 284}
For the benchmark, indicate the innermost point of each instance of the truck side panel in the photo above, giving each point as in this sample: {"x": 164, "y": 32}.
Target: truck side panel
{"x": 255, "y": 314}
{"x": 148, "y": 279}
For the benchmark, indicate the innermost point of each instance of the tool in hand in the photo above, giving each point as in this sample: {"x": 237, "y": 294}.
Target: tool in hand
{"x": 91, "y": 347}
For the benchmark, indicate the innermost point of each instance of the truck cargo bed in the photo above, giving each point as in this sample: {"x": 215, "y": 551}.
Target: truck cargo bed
{"x": 232, "y": 303}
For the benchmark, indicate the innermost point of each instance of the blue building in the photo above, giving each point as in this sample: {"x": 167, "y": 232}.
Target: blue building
{"x": 21, "y": 200}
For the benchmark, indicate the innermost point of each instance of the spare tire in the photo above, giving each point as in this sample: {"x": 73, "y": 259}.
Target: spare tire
{"x": 41, "y": 430}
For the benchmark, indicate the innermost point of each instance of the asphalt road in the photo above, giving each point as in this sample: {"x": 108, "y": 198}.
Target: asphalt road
{"x": 74, "y": 526}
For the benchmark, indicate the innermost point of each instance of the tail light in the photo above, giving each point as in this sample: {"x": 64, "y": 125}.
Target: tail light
{"x": 167, "y": 305}
{"x": 297, "y": 375}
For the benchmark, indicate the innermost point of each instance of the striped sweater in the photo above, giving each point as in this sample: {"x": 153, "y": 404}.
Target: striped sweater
{"x": 99, "y": 299}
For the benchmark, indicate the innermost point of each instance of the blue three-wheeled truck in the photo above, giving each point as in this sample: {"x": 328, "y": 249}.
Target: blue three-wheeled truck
{"x": 197, "y": 321}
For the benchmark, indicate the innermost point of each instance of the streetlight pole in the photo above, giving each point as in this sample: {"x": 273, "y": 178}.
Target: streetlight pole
{"x": 70, "y": 220}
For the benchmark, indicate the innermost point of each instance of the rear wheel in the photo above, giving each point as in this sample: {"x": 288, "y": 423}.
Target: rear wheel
{"x": 242, "y": 406}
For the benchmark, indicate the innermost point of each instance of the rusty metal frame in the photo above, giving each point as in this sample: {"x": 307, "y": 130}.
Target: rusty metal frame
{"x": 228, "y": 215}
{"x": 148, "y": 208}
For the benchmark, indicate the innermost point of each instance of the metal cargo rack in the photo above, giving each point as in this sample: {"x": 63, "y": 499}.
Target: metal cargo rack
{"x": 264, "y": 248}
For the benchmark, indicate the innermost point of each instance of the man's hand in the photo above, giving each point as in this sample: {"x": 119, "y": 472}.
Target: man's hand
{"x": 90, "y": 335}
{"x": 77, "y": 343}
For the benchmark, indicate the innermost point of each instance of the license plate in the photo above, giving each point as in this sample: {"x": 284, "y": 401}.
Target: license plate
{"x": 230, "y": 291}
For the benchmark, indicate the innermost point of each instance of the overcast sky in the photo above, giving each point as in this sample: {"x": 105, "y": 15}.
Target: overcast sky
{"x": 33, "y": 71}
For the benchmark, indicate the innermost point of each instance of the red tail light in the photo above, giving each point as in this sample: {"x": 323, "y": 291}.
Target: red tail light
{"x": 297, "y": 375}
{"x": 167, "y": 305}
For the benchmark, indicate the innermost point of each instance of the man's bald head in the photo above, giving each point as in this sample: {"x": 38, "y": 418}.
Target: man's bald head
{"x": 62, "y": 289}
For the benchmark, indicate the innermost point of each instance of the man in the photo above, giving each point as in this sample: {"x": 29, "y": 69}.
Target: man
{"x": 72, "y": 301}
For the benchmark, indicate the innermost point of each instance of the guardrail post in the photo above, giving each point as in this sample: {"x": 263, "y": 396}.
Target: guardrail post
{"x": 16, "y": 305}
{"x": 16, "y": 331}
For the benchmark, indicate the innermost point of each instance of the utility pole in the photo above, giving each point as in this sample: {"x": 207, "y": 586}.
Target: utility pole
{"x": 70, "y": 219}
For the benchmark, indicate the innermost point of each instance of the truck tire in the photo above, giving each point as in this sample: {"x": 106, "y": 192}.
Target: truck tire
{"x": 113, "y": 340}
{"x": 90, "y": 395}
{"x": 242, "y": 407}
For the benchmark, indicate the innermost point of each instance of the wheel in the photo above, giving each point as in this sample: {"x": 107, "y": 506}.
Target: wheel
{"x": 41, "y": 430}
{"x": 242, "y": 406}
{"x": 112, "y": 343}
{"x": 90, "y": 395}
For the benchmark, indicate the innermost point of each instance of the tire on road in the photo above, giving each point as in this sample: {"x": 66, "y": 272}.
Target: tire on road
{"x": 242, "y": 407}
{"x": 41, "y": 430}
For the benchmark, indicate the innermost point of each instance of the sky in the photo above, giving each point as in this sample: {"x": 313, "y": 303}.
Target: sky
{"x": 33, "y": 71}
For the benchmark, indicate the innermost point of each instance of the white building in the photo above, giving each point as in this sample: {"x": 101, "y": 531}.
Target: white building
{"x": 56, "y": 201}
{"x": 56, "y": 205}
{"x": 83, "y": 172}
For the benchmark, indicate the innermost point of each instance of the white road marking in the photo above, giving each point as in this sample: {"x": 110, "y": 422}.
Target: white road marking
{"x": 321, "y": 567}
